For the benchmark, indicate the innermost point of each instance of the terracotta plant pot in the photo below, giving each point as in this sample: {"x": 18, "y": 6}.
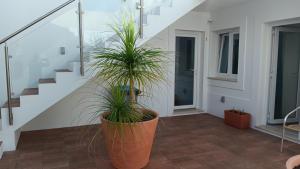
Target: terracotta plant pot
{"x": 129, "y": 146}
{"x": 293, "y": 162}
{"x": 237, "y": 119}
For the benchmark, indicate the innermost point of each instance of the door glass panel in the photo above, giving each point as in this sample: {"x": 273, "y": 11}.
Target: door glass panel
{"x": 286, "y": 98}
{"x": 184, "y": 71}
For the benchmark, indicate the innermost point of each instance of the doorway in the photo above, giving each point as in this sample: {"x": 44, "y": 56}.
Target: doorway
{"x": 284, "y": 94}
{"x": 187, "y": 72}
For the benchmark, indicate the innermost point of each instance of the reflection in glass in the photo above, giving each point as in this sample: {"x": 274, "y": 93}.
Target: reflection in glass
{"x": 286, "y": 97}
{"x": 184, "y": 71}
{"x": 223, "y": 64}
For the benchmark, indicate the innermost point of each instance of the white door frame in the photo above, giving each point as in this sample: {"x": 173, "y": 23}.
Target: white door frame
{"x": 273, "y": 76}
{"x": 197, "y": 91}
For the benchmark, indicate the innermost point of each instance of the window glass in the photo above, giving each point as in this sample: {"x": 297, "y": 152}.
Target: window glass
{"x": 235, "y": 53}
{"x": 224, "y": 51}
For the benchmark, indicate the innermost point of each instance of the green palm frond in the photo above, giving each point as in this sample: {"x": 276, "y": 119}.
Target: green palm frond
{"x": 120, "y": 110}
{"x": 127, "y": 64}
{"x": 127, "y": 61}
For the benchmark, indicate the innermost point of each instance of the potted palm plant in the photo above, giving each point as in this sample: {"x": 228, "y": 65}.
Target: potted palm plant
{"x": 128, "y": 127}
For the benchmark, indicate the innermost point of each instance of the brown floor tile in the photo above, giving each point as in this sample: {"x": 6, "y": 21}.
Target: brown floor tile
{"x": 186, "y": 142}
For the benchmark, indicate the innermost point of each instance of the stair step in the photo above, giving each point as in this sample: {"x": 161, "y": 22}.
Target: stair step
{"x": 30, "y": 91}
{"x": 49, "y": 80}
{"x": 15, "y": 102}
{"x": 63, "y": 70}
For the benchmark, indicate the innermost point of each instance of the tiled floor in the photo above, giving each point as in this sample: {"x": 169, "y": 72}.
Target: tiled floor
{"x": 186, "y": 142}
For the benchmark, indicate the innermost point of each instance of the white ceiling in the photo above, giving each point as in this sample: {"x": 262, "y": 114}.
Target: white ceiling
{"x": 212, "y": 5}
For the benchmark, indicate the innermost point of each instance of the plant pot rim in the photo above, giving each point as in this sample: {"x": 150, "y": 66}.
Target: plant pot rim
{"x": 148, "y": 121}
{"x": 233, "y": 110}
{"x": 237, "y": 111}
{"x": 293, "y": 162}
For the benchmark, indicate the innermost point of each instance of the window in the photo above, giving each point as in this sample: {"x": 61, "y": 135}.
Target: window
{"x": 228, "y": 54}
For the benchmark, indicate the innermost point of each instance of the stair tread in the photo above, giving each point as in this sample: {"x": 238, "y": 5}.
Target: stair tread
{"x": 49, "y": 80}
{"x": 15, "y": 102}
{"x": 63, "y": 70}
{"x": 30, "y": 91}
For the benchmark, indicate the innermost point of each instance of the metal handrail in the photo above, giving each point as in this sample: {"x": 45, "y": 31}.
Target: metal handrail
{"x": 36, "y": 21}
{"x": 140, "y": 6}
{"x": 284, "y": 125}
{"x": 4, "y": 40}
{"x": 8, "y": 85}
{"x": 80, "y": 32}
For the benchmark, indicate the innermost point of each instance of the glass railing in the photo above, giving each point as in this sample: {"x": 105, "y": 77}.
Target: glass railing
{"x": 143, "y": 11}
{"x": 53, "y": 41}
{"x": 99, "y": 15}
{"x": 37, "y": 52}
{"x": 153, "y": 6}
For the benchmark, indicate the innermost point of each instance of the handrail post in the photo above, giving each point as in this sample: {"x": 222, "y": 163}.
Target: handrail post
{"x": 8, "y": 85}
{"x": 140, "y": 6}
{"x": 80, "y": 29}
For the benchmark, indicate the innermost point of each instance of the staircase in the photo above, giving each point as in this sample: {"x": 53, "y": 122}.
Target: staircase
{"x": 43, "y": 92}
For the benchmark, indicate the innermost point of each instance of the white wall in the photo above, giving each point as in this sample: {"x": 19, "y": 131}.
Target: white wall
{"x": 66, "y": 113}
{"x": 73, "y": 110}
{"x": 254, "y": 19}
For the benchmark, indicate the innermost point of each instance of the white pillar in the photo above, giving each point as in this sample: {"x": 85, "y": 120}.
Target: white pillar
{"x": 8, "y": 135}
{"x": 10, "y": 139}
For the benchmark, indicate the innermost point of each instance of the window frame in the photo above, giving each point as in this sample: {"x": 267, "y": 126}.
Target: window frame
{"x": 230, "y": 34}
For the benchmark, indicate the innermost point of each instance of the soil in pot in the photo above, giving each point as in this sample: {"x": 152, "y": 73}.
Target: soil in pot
{"x": 129, "y": 145}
